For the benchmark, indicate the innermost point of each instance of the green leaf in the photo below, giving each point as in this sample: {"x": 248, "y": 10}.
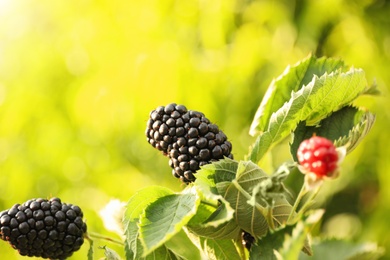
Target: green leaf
{"x": 135, "y": 207}
{"x": 297, "y": 241}
{"x": 328, "y": 249}
{"x": 258, "y": 206}
{"x": 182, "y": 246}
{"x": 347, "y": 126}
{"x": 257, "y": 200}
{"x": 219, "y": 249}
{"x": 292, "y": 79}
{"x": 226, "y": 230}
{"x": 214, "y": 221}
{"x": 313, "y": 102}
{"x": 287, "y": 241}
{"x": 250, "y": 218}
{"x": 161, "y": 253}
{"x": 90, "y": 250}
{"x": 110, "y": 254}
{"x": 165, "y": 217}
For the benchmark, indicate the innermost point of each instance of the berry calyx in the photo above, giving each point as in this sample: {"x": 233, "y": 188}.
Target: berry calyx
{"x": 318, "y": 156}
{"x": 43, "y": 228}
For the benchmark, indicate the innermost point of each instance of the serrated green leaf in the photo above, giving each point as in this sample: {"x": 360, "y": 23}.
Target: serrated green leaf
{"x": 236, "y": 194}
{"x": 135, "y": 207}
{"x": 344, "y": 250}
{"x": 296, "y": 242}
{"x": 257, "y": 208}
{"x": 311, "y": 103}
{"x": 250, "y": 218}
{"x": 110, "y": 254}
{"x": 219, "y": 249}
{"x": 182, "y": 246}
{"x": 347, "y": 126}
{"x": 165, "y": 217}
{"x": 161, "y": 253}
{"x": 292, "y": 79}
{"x": 286, "y": 242}
{"x": 207, "y": 178}
{"x": 90, "y": 250}
{"x": 214, "y": 222}
{"x": 226, "y": 230}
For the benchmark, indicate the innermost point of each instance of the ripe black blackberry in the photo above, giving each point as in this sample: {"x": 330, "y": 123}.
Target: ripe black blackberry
{"x": 188, "y": 138}
{"x": 247, "y": 240}
{"x": 43, "y": 228}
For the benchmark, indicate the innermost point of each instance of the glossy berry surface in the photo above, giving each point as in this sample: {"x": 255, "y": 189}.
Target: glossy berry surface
{"x": 43, "y": 228}
{"x": 188, "y": 138}
{"x": 318, "y": 155}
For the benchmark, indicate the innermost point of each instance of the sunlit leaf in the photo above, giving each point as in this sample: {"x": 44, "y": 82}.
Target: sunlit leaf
{"x": 135, "y": 207}
{"x": 219, "y": 249}
{"x": 292, "y": 79}
{"x": 110, "y": 254}
{"x": 347, "y": 126}
{"x": 162, "y": 253}
{"x": 226, "y": 230}
{"x": 90, "y": 250}
{"x": 182, "y": 246}
{"x": 311, "y": 103}
{"x": 165, "y": 217}
{"x": 250, "y": 218}
{"x": 216, "y": 221}
{"x": 286, "y": 242}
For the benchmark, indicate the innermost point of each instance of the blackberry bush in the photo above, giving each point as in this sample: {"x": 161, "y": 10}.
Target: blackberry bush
{"x": 43, "y": 228}
{"x": 188, "y": 138}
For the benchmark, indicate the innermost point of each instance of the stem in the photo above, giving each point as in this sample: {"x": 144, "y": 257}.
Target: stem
{"x": 99, "y": 236}
{"x": 302, "y": 193}
{"x": 214, "y": 205}
{"x": 270, "y": 219}
{"x": 240, "y": 246}
{"x": 309, "y": 201}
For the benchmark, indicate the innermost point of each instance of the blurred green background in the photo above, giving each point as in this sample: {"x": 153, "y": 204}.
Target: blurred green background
{"x": 79, "y": 78}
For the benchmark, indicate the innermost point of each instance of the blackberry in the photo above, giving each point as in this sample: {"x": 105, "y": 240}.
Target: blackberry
{"x": 247, "y": 240}
{"x": 43, "y": 228}
{"x": 188, "y": 138}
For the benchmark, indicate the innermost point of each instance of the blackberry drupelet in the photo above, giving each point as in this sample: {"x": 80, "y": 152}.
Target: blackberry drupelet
{"x": 43, "y": 228}
{"x": 188, "y": 138}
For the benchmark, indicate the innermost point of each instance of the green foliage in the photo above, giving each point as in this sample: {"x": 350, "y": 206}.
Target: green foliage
{"x": 78, "y": 79}
{"x": 230, "y": 197}
{"x": 324, "y": 94}
{"x": 293, "y": 78}
{"x": 164, "y": 218}
{"x": 328, "y": 248}
{"x": 110, "y": 254}
{"x": 135, "y": 207}
{"x": 346, "y": 127}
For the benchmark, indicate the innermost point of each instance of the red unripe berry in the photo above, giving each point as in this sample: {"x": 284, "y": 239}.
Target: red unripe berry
{"x": 318, "y": 155}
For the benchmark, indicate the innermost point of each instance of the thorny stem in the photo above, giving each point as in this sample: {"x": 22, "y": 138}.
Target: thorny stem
{"x": 90, "y": 235}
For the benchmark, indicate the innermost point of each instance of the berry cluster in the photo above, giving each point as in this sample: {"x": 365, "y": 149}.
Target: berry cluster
{"x": 188, "y": 138}
{"x": 319, "y": 156}
{"x": 43, "y": 228}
